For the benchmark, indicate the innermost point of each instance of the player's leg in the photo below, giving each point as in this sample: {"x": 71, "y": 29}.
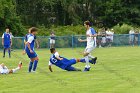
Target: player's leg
{"x": 35, "y": 63}
{"x": 82, "y": 60}
{"x": 71, "y": 68}
{"x": 30, "y": 65}
{"x": 4, "y": 50}
{"x": 9, "y": 52}
{"x": 16, "y": 69}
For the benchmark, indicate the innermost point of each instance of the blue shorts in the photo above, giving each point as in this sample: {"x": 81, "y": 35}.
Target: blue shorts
{"x": 69, "y": 65}
{"x": 31, "y": 55}
{"x": 6, "y": 46}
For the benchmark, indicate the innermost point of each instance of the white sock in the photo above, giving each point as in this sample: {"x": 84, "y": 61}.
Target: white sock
{"x": 16, "y": 69}
{"x": 90, "y": 56}
{"x": 87, "y": 62}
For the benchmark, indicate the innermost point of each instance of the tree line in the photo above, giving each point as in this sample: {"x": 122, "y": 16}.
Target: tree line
{"x": 21, "y": 14}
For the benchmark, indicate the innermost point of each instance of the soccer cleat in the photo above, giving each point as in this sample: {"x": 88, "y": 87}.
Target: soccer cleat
{"x": 94, "y": 60}
{"x": 20, "y": 64}
{"x": 87, "y": 69}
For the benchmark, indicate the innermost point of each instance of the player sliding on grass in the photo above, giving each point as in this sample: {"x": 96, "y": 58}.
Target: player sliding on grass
{"x": 91, "y": 44}
{"x": 30, "y": 49}
{"x": 64, "y": 63}
{"x": 5, "y": 70}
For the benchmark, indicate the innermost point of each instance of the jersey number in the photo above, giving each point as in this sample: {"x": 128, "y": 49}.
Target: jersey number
{"x": 54, "y": 60}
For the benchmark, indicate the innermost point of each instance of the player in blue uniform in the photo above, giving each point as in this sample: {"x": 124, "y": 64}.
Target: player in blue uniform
{"x": 6, "y": 42}
{"x": 26, "y": 39}
{"x": 64, "y": 63}
{"x": 29, "y": 48}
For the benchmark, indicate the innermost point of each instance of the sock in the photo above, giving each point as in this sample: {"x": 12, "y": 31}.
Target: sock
{"x": 84, "y": 61}
{"x": 90, "y": 56}
{"x": 30, "y": 66}
{"x": 87, "y": 62}
{"x": 9, "y": 52}
{"x": 35, "y": 65}
{"x": 4, "y": 52}
{"x": 14, "y": 70}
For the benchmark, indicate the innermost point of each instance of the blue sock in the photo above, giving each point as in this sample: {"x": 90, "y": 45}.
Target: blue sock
{"x": 30, "y": 66}
{"x": 84, "y": 61}
{"x": 4, "y": 52}
{"x": 35, "y": 65}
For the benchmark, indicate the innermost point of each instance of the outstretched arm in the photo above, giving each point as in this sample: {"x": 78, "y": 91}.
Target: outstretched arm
{"x": 80, "y": 40}
{"x": 50, "y": 68}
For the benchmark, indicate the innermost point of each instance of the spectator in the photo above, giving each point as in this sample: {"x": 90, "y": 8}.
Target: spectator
{"x": 103, "y": 34}
{"x": 131, "y": 37}
{"x": 52, "y": 40}
{"x": 109, "y": 37}
{"x": 136, "y": 37}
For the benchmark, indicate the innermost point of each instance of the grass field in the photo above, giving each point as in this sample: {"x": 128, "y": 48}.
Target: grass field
{"x": 117, "y": 71}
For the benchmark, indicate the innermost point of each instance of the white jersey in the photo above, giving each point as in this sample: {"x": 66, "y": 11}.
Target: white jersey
{"x": 4, "y": 70}
{"x": 91, "y": 41}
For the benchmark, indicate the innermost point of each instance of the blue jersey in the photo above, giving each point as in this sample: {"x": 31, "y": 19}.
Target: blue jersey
{"x": 27, "y": 36}
{"x": 7, "y": 38}
{"x": 60, "y": 63}
{"x": 31, "y": 41}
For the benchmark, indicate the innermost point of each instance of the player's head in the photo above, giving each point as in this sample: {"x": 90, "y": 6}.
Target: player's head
{"x": 33, "y": 30}
{"x": 7, "y": 30}
{"x": 87, "y": 24}
{"x": 52, "y": 50}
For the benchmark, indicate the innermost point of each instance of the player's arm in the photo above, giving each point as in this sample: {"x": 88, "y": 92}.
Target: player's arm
{"x": 80, "y": 40}
{"x": 11, "y": 40}
{"x": 50, "y": 66}
{"x": 3, "y": 39}
{"x": 57, "y": 56}
{"x": 37, "y": 43}
{"x": 94, "y": 34}
{"x": 28, "y": 43}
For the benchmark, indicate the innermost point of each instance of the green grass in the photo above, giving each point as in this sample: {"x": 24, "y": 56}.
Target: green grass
{"x": 117, "y": 71}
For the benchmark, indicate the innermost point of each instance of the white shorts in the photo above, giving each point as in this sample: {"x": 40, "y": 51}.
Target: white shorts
{"x": 89, "y": 50}
{"x": 52, "y": 41}
{"x": 4, "y": 71}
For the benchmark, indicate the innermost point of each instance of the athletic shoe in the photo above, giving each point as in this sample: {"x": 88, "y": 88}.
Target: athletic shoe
{"x": 87, "y": 69}
{"x": 94, "y": 60}
{"x": 20, "y": 64}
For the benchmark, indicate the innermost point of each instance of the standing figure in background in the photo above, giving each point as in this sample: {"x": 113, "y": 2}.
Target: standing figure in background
{"x": 136, "y": 37}
{"x": 52, "y": 40}
{"x": 7, "y": 42}
{"x": 109, "y": 37}
{"x": 103, "y": 34}
{"x": 131, "y": 37}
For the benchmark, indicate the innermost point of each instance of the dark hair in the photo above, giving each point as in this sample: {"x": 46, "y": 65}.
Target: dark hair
{"x": 87, "y": 23}
{"x": 33, "y": 29}
{"x": 52, "y": 50}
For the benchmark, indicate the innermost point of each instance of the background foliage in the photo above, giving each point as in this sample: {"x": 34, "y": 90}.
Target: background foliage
{"x": 67, "y": 16}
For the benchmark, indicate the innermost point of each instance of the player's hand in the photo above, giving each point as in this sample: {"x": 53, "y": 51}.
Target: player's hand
{"x": 80, "y": 40}
{"x": 31, "y": 51}
{"x": 61, "y": 58}
{"x": 24, "y": 52}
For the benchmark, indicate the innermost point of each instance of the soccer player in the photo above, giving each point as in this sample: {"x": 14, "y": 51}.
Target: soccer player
{"x": 6, "y": 42}
{"x": 64, "y": 63}
{"x": 26, "y": 39}
{"x": 5, "y": 70}
{"x": 91, "y": 44}
{"x": 30, "y": 49}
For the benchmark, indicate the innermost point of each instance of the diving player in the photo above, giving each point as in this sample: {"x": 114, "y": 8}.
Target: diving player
{"x": 64, "y": 63}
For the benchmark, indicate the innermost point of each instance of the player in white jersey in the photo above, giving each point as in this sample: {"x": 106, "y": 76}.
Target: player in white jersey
{"x": 5, "y": 70}
{"x": 91, "y": 44}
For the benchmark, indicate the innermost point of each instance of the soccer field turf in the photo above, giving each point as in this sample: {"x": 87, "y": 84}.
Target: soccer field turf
{"x": 117, "y": 71}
